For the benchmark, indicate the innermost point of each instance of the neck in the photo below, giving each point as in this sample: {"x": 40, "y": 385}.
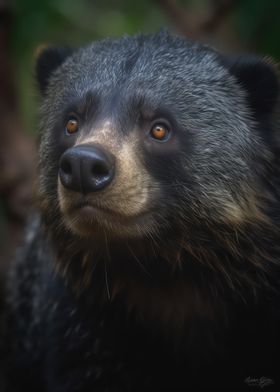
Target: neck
{"x": 172, "y": 282}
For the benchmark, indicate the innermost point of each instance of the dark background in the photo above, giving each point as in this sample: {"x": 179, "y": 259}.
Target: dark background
{"x": 230, "y": 25}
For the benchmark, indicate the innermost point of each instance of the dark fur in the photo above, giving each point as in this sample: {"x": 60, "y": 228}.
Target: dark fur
{"x": 191, "y": 304}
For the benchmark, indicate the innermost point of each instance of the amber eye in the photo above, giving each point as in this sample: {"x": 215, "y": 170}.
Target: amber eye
{"x": 160, "y": 132}
{"x": 72, "y": 125}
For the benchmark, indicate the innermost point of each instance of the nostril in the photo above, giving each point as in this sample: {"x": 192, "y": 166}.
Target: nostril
{"x": 86, "y": 169}
{"x": 66, "y": 166}
{"x": 69, "y": 170}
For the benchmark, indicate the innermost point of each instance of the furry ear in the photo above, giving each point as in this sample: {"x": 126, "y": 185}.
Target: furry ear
{"x": 48, "y": 59}
{"x": 259, "y": 77}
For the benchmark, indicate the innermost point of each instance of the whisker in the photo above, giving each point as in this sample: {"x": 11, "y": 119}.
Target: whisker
{"x": 138, "y": 261}
{"x": 105, "y": 267}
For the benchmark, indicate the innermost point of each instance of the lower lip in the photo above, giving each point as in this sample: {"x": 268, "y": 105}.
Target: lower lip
{"x": 88, "y": 212}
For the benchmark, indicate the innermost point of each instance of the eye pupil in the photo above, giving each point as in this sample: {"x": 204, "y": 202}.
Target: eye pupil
{"x": 159, "y": 132}
{"x": 72, "y": 126}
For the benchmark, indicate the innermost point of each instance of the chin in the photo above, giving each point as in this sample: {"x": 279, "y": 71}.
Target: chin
{"x": 91, "y": 221}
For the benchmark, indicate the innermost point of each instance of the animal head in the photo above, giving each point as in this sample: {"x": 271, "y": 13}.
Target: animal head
{"x": 155, "y": 133}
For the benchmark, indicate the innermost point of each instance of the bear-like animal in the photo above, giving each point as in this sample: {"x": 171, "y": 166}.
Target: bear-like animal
{"x": 153, "y": 262}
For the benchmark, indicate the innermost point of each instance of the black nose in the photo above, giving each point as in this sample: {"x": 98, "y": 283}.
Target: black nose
{"x": 86, "y": 168}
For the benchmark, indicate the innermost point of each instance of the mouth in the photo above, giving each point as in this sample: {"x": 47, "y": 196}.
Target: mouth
{"x": 86, "y": 219}
{"x": 88, "y": 210}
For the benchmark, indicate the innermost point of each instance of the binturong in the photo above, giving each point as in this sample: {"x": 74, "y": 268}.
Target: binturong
{"x": 152, "y": 263}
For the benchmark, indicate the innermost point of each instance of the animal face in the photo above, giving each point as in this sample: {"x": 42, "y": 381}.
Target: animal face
{"x": 149, "y": 134}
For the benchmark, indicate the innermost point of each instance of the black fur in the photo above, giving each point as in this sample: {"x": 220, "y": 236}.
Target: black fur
{"x": 187, "y": 299}
{"x": 49, "y": 59}
{"x": 259, "y": 79}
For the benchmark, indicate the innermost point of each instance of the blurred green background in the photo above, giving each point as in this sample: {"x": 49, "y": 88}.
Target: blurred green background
{"x": 71, "y": 22}
{"x": 230, "y": 25}
{"x": 252, "y": 25}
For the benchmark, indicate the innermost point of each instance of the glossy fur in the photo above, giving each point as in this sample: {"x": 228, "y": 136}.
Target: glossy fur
{"x": 185, "y": 297}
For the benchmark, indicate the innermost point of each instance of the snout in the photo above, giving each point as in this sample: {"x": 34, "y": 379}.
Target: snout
{"x": 86, "y": 168}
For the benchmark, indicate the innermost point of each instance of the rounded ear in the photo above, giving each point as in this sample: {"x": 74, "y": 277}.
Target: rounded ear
{"x": 48, "y": 59}
{"x": 259, "y": 77}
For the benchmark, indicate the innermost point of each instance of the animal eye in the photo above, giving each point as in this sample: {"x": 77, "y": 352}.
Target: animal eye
{"x": 72, "y": 125}
{"x": 160, "y": 132}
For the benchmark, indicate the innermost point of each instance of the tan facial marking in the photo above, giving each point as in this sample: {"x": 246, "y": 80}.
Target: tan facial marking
{"x": 105, "y": 135}
{"x": 245, "y": 210}
{"x": 127, "y": 196}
